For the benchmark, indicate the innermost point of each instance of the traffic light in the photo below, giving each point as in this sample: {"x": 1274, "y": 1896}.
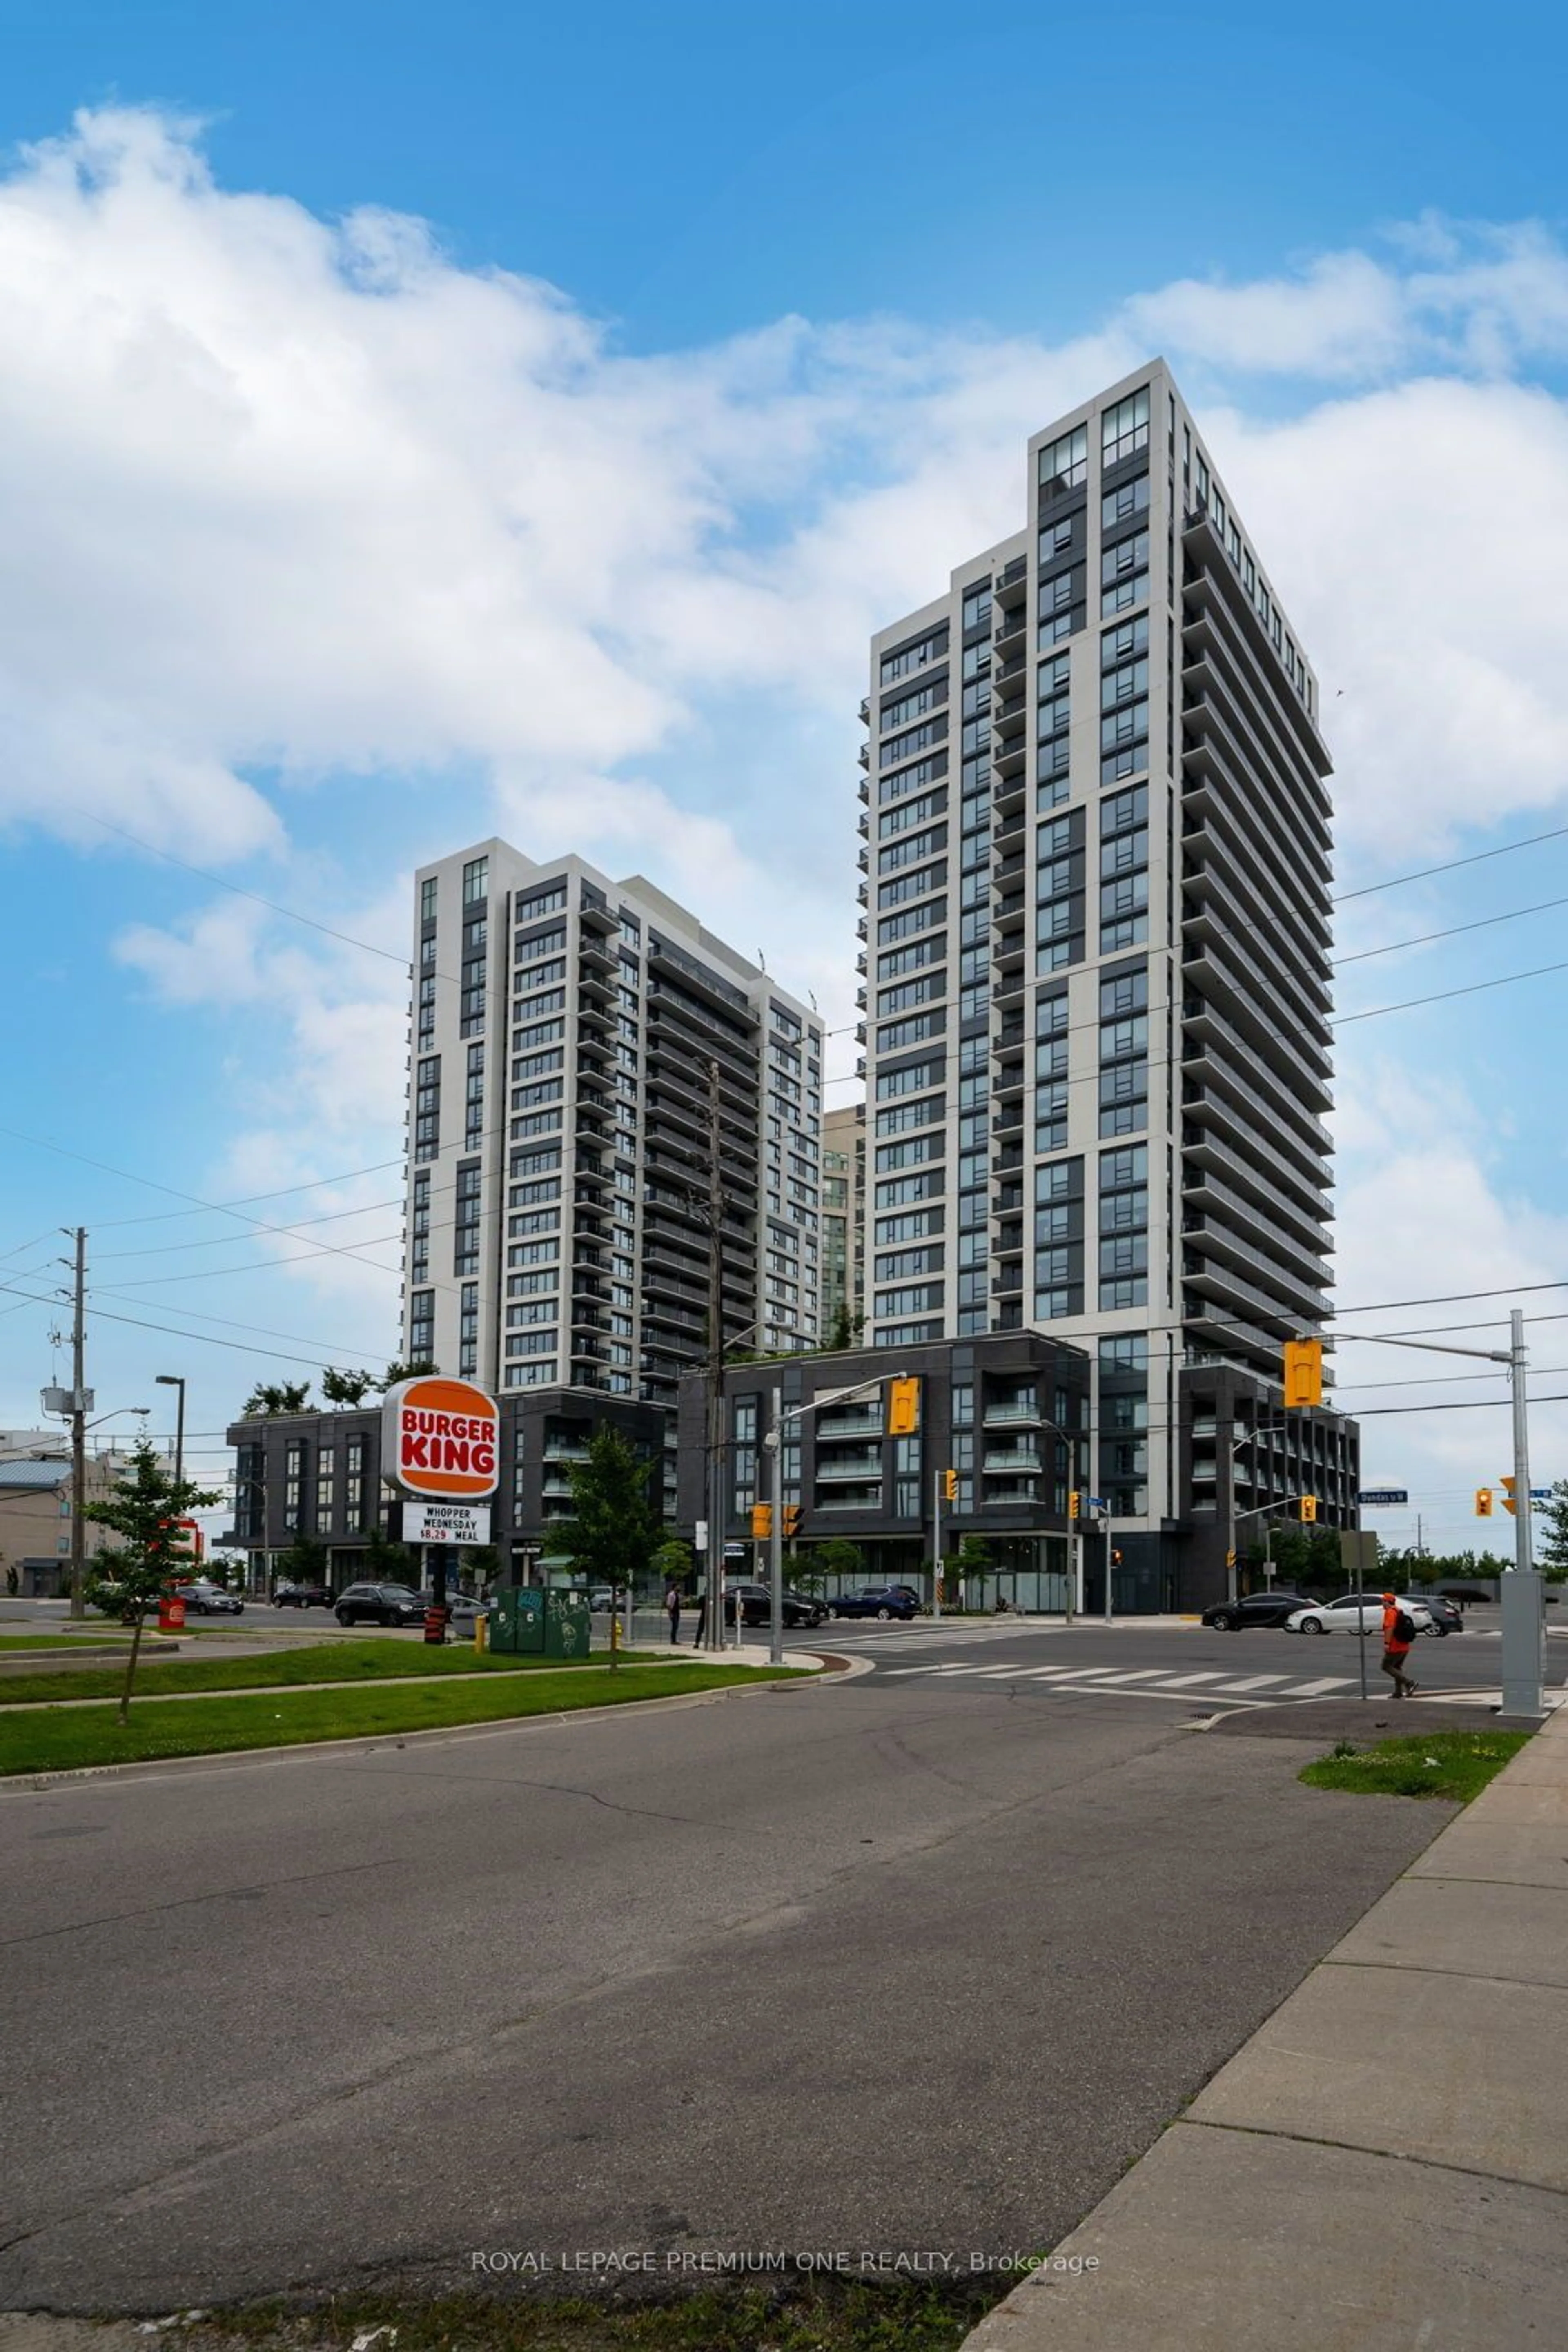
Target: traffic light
{"x": 1483, "y": 1502}
{"x": 1303, "y": 1373}
{"x": 903, "y": 1408}
{"x": 762, "y": 1522}
{"x": 1074, "y": 1499}
{"x": 792, "y": 1518}
{"x": 1307, "y": 1505}
{"x": 949, "y": 1486}
{"x": 1509, "y": 1504}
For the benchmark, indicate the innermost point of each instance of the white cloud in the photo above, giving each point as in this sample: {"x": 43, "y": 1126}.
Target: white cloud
{"x": 289, "y": 501}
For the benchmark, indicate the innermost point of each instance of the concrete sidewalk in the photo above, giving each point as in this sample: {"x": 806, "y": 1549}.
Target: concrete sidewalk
{"x": 1386, "y": 2163}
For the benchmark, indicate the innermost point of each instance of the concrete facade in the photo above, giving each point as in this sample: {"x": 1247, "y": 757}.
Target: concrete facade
{"x": 563, "y": 1030}
{"x": 1095, "y": 942}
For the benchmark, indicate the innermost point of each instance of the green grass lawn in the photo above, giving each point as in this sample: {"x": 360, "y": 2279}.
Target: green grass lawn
{"x": 318, "y": 1662}
{"x": 51, "y": 1739}
{"x": 1453, "y": 1764}
{"x": 809, "y": 2315}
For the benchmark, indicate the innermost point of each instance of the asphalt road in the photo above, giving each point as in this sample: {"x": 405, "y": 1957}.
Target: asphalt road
{"x": 888, "y": 1964}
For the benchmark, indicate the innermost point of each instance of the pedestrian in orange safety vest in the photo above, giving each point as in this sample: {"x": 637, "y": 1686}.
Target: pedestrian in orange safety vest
{"x": 1398, "y": 1632}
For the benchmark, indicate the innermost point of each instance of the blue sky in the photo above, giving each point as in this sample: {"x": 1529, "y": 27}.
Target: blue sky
{"x": 418, "y": 423}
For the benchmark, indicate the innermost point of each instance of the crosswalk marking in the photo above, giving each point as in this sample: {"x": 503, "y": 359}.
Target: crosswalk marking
{"x": 1316, "y": 1690}
{"x": 1255, "y": 1682}
{"x": 1186, "y": 1682}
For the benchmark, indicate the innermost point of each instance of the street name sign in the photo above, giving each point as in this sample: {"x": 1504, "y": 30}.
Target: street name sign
{"x": 1372, "y": 1497}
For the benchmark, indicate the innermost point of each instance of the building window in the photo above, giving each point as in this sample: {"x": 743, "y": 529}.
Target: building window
{"x": 1124, "y": 428}
{"x": 476, "y": 880}
{"x": 353, "y": 1486}
{"x": 326, "y": 1478}
{"x": 293, "y": 1482}
{"x": 1064, "y": 464}
{"x": 466, "y": 1219}
{"x": 428, "y": 899}
{"x": 422, "y": 1326}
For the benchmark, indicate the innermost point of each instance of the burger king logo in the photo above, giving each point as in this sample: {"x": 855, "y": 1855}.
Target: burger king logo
{"x": 441, "y": 1437}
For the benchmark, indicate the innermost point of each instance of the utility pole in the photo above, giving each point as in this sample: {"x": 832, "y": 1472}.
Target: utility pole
{"x": 79, "y": 1431}
{"x": 713, "y": 1628}
{"x": 936, "y": 1478}
{"x": 1521, "y": 1592}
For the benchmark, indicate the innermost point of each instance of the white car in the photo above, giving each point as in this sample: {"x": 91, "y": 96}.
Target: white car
{"x": 1358, "y": 1612}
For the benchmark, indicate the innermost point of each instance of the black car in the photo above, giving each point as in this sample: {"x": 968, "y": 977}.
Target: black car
{"x": 756, "y": 1603}
{"x": 302, "y": 1596}
{"x": 202, "y": 1599}
{"x": 380, "y": 1604}
{"x": 1271, "y": 1608}
{"x": 875, "y": 1601}
{"x": 1446, "y": 1615}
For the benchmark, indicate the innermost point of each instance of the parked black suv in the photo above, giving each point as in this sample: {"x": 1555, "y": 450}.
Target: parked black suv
{"x": 380, "y": 1604}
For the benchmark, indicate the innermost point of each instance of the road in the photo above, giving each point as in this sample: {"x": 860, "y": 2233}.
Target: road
{"x": 898, "y": 1962}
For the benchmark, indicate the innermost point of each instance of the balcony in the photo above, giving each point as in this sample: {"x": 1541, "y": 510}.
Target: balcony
{"x": 1008, "y": 634}
{"x": 1024, "y": 1414}
{"x": 1010, "y": 589}
{"x": 1009, "y": 1459}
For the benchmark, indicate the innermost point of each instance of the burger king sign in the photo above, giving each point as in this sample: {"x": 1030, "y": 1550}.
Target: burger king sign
{"x": 441, "y": 1439}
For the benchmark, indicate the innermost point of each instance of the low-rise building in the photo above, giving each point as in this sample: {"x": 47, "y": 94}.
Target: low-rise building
{"x": 319, "y": 1475}
{"x": 1007, "y": 1412}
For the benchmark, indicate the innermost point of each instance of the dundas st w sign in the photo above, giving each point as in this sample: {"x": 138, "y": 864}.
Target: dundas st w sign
{"x": 441, "y": 1449}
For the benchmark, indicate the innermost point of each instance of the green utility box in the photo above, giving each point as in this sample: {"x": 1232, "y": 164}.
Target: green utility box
{"x": 517, "y": 1621}
{"x": 568, "y": 1626}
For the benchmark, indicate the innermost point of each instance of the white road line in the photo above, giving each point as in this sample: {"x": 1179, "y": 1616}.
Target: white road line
{"x": 1186, "y": 1682}
{"x": 1316, "y": 1690}
{"x": 1255, "y": 1682}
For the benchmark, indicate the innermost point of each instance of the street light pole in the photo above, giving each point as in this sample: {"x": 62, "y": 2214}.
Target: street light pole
{"x": 176, "y": 1380}
{"x": 773, "y": 1446}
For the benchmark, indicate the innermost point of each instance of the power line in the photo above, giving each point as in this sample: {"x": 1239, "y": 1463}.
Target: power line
{"x": 221, "y": 1241}
{"x": 1476, "y": 988}
{"x": 1450, "y": 865}
{"x": 174, "y": 1331}
{"x": 1483, "y": 923}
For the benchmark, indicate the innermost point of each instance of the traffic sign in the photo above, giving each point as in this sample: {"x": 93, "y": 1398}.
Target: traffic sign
{"x": 1540, "y": 1493}
{"x": 1378, "y": 1497}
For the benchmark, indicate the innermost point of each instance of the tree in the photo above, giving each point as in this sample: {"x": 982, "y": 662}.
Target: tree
{"x": 847, "y": 1330}
{"x": 614, "y": 1530}
{"x": 481, "y": 1564}
{"x": 306, "y": 1562}
{"x": 419, "y": 1370}
{"x": 672, "y": 1564}
{"x": 1553, "y": 1553}
{"x": 837, "y": 1561}
{"x": 143, "y": 1508}
{"x": 269, "y": 1399}
{"x": 970, "y": 1564}
{"x": 386, "y": 1562}
{"x": 344, "y": 1388}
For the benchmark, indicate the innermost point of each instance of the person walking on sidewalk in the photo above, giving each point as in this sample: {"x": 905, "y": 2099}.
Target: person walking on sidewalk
{"x": 672, "y": 1611}
{"x": 1398, "y": 1632}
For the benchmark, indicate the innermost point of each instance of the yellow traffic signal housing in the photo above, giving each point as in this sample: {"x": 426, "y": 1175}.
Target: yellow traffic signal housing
{"x": 1073, "y": 1501}
{"x": 1509, "y": 1491}
{"x": 949, "y": 1486}
{"x": 762, "y": 1522}
{"x": 1483, "y": 1502}
{"x": 1308, "y": 1507}
{"x": 903, "y": 1408}
{"x": 1303, "y": 1373}
{"x": 792, "y": 1518}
